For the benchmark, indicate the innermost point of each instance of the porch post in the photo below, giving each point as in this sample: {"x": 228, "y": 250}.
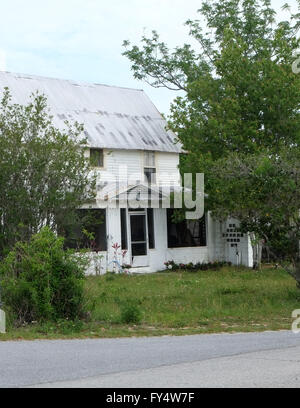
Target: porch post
{"x": 2, "y": 322}
{"x": 2, "y": 317}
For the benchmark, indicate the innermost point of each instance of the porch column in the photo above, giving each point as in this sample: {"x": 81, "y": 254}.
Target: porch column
{"x": 113, "y": 225}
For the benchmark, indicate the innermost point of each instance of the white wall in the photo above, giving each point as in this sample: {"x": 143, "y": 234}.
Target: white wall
{"x": 217, "y": 249}
{"x": 221, "y": 249}
{"x": 166, "y": 166}
{"x": 98, "y": 263}
{"x": 157, "y": 256}
{"x": 167, "y": 173}
{"x": 187, "y": 255}
{"x": 113, "y": 159}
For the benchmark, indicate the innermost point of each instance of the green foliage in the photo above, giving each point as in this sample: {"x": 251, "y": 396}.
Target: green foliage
{"x": 40, "y": 281}
{"x": 262, "y": 191}
{"x": 180, "y": 303}
{"x": 130, "y": 311}
{"x": 110, "y": 276}
{"x": 82, "y": 230}
{"x": 239, "y": 116}
{"x": 235, "y": 296}
{"x": 62, "y": 326}
{"x": 240, "y": 93}
{"x": 44, "y": 175}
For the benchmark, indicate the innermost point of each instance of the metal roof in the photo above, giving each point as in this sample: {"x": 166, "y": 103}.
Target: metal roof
{"x": 113, "y": 117}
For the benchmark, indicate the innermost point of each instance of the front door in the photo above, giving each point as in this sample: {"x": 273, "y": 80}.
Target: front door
{"x": 139, "y": 238}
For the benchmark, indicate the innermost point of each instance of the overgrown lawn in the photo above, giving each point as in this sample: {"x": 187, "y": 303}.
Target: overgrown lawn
{"x": 227, "y": 300}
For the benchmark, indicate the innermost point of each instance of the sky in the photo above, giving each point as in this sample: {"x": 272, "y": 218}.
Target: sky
{"x": 82, "y": 39}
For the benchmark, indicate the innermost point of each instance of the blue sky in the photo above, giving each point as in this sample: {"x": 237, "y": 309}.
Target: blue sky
{"x": 82, "y": 39}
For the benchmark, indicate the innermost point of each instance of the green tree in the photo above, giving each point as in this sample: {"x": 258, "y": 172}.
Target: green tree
{"x": 240, "y": 94}
{"x": 44, "y": 175}
{"x": 263, "y": 192}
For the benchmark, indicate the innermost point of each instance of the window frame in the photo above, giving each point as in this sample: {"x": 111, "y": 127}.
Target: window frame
{"x": 96, "y": 149}
{"x": 205, "y": 237}
{"x": 147, "y": 165}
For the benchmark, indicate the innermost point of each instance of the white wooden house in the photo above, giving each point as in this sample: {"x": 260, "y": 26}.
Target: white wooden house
{"x": 129, "y": 143}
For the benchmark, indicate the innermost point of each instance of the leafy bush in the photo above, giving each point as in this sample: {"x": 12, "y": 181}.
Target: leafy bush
{"x": 62, "y": 326}
{"x": 130, "y": 312}
{"x": 110, "y": 276}
{"x": 41, "y": 281}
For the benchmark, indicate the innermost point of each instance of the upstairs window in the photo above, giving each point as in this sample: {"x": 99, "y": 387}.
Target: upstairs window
{"x": 149, "y": 167}
{"x": 150, "y": 175}
{"x": 96, "y": 157}
{"x": 187, "y": 233}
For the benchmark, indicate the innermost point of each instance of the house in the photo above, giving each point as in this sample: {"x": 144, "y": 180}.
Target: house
{"x": 136, "y": 159}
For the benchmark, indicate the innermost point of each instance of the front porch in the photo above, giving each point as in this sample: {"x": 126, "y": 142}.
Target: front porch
{"x": 144, "y": 242}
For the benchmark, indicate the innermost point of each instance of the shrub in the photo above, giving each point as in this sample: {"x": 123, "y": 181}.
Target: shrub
{"x": 41, "y": 281}
{"x": 171, "y": 265}
{"x": 130, "y": 312}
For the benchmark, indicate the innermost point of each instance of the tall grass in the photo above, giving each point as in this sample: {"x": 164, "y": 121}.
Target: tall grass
{"x": 227, "y": 300}
{"x": 187, "y": 299}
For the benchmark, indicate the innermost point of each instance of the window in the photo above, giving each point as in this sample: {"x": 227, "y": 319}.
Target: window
{"x": 150, "y": 228}
{"x": 149, "y": 167}
{"x": 96, "y": 157}
{"x": 187, "y": 233}
{"x": 150, "y": 175}
{"x": 149, "y": 159}
{"x": 87, "y": 231}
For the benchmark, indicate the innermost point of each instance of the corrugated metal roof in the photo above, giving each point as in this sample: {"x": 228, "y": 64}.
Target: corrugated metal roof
{"x": 113, "y": 117}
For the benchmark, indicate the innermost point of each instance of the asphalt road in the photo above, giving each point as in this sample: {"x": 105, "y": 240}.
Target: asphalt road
{"x": 223, "y": 360}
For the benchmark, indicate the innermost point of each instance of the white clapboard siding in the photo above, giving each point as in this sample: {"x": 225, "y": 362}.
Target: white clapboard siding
{"x": 167, "y": 168}
{"x": 129, "y": 164}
